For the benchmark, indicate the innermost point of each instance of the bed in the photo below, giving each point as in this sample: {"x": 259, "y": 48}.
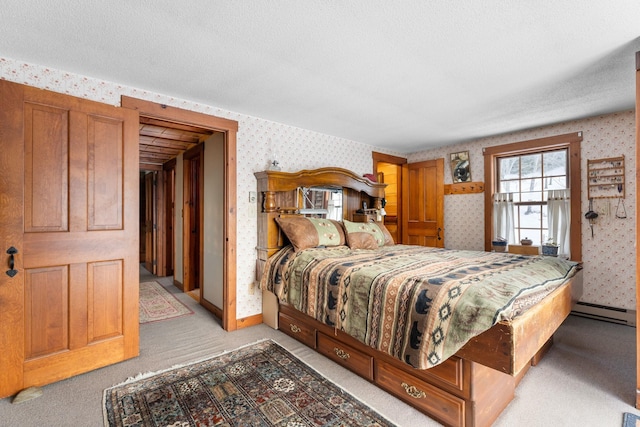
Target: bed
{"x": 459, "y": 375}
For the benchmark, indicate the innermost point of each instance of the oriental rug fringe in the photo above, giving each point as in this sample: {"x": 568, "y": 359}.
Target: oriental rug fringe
{"x": 258, "y": 385}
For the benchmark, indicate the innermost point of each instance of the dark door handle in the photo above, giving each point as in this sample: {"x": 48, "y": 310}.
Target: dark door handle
{"x": 439, "y": 230}
{"x": 12, "y": 251}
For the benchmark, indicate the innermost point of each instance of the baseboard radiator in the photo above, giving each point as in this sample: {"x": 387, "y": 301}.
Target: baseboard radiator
{"x": 622, "y": 316}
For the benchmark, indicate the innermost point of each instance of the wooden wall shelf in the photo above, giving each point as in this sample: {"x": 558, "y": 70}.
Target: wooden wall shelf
{"x": 464, "y": 188}
{"x": 606, "y": 178}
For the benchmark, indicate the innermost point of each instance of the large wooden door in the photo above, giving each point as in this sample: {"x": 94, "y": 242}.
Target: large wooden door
{"x": 69, "y": 206}
{"x": 423, "y": 204}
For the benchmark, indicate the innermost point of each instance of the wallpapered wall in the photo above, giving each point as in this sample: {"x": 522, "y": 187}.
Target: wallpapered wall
{"x": 609, "y": 258}
{"x": 257, "y": 139}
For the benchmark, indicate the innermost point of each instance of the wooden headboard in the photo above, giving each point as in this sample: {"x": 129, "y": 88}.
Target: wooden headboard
{"x": 277, "y": 195}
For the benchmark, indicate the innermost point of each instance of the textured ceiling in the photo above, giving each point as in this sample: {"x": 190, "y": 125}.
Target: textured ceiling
{"x": 405, "y": 75}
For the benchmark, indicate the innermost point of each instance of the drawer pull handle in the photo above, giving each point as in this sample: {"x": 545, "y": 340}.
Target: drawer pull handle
{"x": 341, "y": 353}
{"x": 294, "y": 328}
{"x": 413, "y": 391}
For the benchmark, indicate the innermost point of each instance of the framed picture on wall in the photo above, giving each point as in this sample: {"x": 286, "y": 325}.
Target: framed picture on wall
{"x": 460, "y": 166}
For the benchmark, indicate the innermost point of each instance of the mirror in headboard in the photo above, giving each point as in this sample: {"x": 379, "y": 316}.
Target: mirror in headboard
{"x": 321, "y": 202}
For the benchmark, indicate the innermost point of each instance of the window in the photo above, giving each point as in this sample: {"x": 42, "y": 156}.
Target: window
{"x": 527, "y": 170}
{"x": 529, "y": 177}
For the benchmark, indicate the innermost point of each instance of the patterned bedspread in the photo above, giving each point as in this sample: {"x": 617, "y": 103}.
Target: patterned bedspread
{"x": 415, "y": 303}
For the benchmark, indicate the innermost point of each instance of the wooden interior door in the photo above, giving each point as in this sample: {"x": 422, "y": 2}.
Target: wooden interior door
{"x": 423, "y": 203}
{"x": 69, "y": 205}
{"x": 193, "y": 217}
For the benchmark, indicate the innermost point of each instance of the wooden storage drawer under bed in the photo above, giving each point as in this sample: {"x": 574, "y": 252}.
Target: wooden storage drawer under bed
{"x": 443, "y": 406}
{"x": 297, "y": 329}
{"x": 347, "y": 356}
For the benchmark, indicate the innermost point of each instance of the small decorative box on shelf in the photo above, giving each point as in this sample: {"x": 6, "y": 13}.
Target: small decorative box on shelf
{"x": 367, "y": 215}
{"x": 524, "y": 249}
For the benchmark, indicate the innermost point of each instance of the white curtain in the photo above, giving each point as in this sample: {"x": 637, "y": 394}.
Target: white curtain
{"x": 504, "y": 217}
{"x": 559, "y": 220}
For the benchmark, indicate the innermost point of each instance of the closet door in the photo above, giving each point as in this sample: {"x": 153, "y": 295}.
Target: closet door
{"x": 69, "y": 208}
{"x": 423, "y": 204}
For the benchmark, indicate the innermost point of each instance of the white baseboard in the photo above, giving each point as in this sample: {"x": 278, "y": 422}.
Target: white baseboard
{"x": 622, "y": 316}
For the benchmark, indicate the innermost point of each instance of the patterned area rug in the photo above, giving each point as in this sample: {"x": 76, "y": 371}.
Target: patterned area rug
{"x": 630, "y": 420}
{"x": 156, "y": 303}
{"x": 258, "y": 385}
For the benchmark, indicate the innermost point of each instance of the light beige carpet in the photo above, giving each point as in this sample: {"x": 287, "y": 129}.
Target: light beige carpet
{"x": 157, "y": 303}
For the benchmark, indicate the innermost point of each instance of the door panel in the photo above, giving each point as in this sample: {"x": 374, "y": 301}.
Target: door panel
{"x": 424, "y": 204}
{"x": 104, "y": 286}
{"x": 105, "y": 146}
{"x": 69, "y": 170}
{"x": 47, "y": 302}
{"x": 46, "y": 168}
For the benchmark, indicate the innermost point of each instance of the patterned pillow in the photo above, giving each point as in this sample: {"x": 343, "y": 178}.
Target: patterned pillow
{"x": 388, "y": 238}
{"x": 364, "y": 235}
{"x": 304, "y": 233}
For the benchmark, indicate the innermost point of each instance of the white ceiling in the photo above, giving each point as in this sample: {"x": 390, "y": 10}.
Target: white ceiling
{"x": 405, "y": 75}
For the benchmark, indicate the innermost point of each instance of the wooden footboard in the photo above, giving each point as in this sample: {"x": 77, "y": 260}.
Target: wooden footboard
{"x": 510, "y": 346}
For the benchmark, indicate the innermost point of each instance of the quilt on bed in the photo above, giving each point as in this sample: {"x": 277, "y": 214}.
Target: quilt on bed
{"x": 415, "y": 303}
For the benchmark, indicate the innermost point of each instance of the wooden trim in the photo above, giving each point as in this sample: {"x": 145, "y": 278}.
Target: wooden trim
{"x": 229, "y": 320}
{"x": 387, "y": 158}
{"x": 187, "y": 236}
{"x": 464, "y": 188}
{"x": 570, "y": 141}
{"x": 521, "y": 147}
{"x": 230, "y": 129}
{"x": 637, "y": 177}
{"x": 400, "y": 163}
{"x": 168, "y": 237}
{"x": 172, "y": 114}
{"x": 150, "y": 167}
{"x": 246, "y": 322}
{"x": 209, "y": 306}
{"x": 160, "y": 212}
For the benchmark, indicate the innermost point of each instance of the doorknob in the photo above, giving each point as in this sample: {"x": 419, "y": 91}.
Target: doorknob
{"x": 439, "y": 230}
{"x": 12, "y": 251}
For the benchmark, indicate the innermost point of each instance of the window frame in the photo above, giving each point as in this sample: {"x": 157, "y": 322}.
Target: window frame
{"x": 570, "y": 142}
{"x": 521, "y": 232}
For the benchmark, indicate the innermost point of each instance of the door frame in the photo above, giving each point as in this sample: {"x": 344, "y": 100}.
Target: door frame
{"x": 229, "y": 128}
{"x": 193, "y": 204}
{"x": 400, "y": 162}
